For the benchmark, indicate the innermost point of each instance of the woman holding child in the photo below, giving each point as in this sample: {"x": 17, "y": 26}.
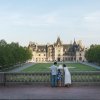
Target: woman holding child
{"x": 63, "y": 70}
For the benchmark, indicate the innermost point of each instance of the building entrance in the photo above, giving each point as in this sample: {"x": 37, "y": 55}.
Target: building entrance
{"x": 58, "y": 59}
{"x": 80, "y": 58}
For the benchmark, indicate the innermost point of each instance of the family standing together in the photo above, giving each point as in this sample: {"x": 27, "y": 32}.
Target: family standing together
{"x": 60, "y": 76}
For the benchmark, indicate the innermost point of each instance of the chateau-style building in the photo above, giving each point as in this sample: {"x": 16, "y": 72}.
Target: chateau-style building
{"x": 57, "y": 51}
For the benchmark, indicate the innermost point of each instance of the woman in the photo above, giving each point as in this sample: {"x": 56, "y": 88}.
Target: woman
{"x": 67, "y": 76}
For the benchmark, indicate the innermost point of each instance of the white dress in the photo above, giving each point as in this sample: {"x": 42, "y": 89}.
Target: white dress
{"x": 67, "y": 76}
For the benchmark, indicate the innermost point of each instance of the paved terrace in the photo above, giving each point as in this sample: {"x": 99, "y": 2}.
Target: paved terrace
{"x": 47, "y": 92}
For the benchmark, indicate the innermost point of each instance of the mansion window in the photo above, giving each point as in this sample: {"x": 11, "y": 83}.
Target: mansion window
{"x": 58, "y": 51}
{"x": 66, "y": 59}
{"x": 74, "y": 58}
{"x": 58, "y": 54}
{"x": 71, "y": 58}
{"x": 36, "y": 59}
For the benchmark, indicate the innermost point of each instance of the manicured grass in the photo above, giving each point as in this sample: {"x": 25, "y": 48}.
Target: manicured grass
{"x": 39, "y": 67}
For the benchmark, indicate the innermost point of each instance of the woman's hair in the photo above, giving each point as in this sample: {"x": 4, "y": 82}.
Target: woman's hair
{"x": 58, "y": 70}
{"x": 64, "y": 65}
{"x": 55, "y": 63}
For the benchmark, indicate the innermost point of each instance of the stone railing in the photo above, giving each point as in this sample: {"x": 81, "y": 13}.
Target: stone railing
{"x": 86, "y": 77}
{"x": 78, "y": 77}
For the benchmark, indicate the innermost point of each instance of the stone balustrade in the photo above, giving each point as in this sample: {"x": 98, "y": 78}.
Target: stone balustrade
{"x": 77, "y": 77}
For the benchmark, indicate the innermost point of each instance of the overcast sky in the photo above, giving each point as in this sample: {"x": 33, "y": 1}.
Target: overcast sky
{"x": 43, "y": 21}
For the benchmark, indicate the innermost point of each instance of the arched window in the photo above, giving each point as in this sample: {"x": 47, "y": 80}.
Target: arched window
{"x": 36, "y": 59}
{"x": 80, "y": 58}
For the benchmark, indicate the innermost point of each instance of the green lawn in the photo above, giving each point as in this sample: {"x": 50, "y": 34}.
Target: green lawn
{"x": 39, "y": 67}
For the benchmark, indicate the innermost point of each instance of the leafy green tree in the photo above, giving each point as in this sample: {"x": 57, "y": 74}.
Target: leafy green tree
{"x": 93, "y": 54}
{"x": 12, "y": 54}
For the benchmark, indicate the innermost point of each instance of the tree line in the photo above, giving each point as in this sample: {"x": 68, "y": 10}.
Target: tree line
{"x": 93, "y": 54}
{"x": 12, "y": 54}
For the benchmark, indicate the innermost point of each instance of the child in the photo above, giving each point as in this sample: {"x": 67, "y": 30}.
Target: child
{"x": 59, "y": 78}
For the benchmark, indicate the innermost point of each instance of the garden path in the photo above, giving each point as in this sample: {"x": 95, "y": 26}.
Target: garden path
{"x": 91, "y": 64}
{"x": 26, "y": 65}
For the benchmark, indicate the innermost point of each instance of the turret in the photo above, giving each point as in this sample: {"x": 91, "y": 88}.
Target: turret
{"x": 58, "y": 42}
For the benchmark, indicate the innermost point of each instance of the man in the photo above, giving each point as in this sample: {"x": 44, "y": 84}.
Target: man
{"x": 54, "y": 75}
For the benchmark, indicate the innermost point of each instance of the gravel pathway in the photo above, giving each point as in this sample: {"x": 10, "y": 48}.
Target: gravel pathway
{"x": 91, "y": 64}
{"x": 26, "y": 65}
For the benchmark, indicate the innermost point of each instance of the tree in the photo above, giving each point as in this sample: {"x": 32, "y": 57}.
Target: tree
{"x": 93, "y": 54}
{"x": 3, "y": 43}
{"x": 11, "y": 54}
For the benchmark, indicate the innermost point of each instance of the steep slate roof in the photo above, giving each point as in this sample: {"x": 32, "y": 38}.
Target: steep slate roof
{"x": 50, "y": 45}
{"x": 66, "y": 46}
{"x": 41, "y": 48}
{"x": 68, "y": 49}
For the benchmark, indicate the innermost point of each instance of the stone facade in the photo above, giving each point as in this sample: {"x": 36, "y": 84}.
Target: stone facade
{"x": 57, "y": 51}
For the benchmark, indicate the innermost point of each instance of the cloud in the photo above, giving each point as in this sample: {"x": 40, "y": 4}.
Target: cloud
{"x": 92, "y": 20}
{"x": 17, "y": 19}
{"x": 93, "y": 17}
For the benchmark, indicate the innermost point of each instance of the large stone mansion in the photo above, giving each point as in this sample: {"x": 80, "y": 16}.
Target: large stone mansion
{"x": 57, "y": 51}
